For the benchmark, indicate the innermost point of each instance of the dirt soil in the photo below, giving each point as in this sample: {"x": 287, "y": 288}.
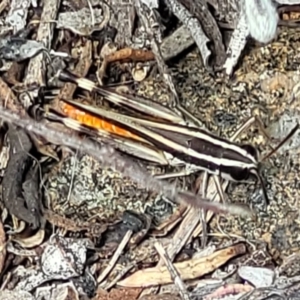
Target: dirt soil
{"x": 99, "y": 209}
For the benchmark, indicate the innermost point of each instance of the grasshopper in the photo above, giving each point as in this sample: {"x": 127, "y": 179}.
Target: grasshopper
{"x": 162, "y": 136}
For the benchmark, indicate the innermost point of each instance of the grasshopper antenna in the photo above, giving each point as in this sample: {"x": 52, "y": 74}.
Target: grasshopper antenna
{"x": 292, "y": 132}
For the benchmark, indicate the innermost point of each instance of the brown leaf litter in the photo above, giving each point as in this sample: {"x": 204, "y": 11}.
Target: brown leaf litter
{"x": 100, "y": 221}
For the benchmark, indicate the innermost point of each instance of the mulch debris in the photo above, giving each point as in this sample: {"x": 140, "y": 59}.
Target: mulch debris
{"x": 82, "y": 217}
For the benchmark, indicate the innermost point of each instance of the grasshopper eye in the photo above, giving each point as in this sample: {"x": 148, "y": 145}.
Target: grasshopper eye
{"x": 240, "y": 174}
{"x": 251, "y": 150}
{"x": 236, "y": 173}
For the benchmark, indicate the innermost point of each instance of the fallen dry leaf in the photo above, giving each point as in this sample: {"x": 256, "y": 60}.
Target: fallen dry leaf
{"x": 190, "y": 269}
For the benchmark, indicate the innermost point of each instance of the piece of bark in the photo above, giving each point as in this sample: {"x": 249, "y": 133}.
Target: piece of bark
{"x": 194, "y": 27}
{"x": 12, "y": 190}
{"x": 210, "y": 27}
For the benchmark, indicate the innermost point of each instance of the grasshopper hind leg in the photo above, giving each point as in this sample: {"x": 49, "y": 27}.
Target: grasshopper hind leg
{"x": 217, "y": 180}
{"x": 218, "y": 184}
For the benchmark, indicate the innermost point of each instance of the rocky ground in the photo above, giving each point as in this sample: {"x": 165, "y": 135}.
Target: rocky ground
{"x": 91, "y": 211}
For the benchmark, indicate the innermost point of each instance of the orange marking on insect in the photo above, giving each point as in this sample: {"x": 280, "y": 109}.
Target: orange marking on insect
{"x": 95, "y": 122}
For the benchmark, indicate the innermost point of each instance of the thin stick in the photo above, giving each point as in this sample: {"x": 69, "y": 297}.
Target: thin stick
{"x": 173, "y": 272}
{"x": 115, "y": 257}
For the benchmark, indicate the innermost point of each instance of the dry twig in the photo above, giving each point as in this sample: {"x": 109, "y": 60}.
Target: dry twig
{"x": 149, "y": 21}
{"x": 36, "y": 71}
{"x": 173, "y": 272}
{"x": 194, "y": 28}
{"x": 115, "y": 257}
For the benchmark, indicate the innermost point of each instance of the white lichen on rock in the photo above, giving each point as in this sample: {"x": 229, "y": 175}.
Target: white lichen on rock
{"x": 256, "y": 18}
{"x": 261, "y": 18}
